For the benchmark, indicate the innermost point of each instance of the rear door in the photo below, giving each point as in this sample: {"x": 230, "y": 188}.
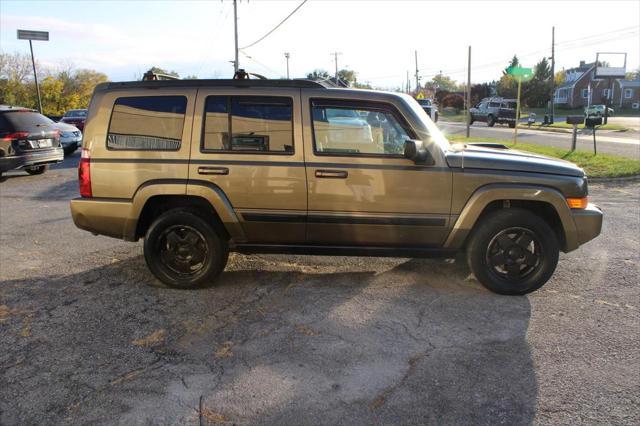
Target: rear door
{"x": 248, "y": 143}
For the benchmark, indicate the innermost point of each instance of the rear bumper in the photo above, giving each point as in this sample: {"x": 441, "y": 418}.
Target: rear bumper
{"x": 588, "y": 223}
{"x": 36, "y": 158}
{"x": 110, "y": 217}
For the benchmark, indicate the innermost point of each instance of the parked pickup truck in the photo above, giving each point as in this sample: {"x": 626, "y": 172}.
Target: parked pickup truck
{"x": 494, "y": 110}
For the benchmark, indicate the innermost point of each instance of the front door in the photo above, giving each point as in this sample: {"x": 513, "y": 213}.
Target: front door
{"x": 250, "y": 147}
{"x": 361, "y": 190}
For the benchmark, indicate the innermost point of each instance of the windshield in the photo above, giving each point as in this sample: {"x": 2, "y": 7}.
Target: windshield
{"x": 434, "y": 133}
{"x": 81, "y": 113}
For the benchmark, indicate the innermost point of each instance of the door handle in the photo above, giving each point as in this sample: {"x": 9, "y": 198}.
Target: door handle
{"x": 213, "y": 170}
{"x": 332, "y": 174}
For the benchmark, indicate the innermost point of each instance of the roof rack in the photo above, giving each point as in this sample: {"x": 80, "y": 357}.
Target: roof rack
{"x": 297, "y": 83}
{"x": 153, "y": 76}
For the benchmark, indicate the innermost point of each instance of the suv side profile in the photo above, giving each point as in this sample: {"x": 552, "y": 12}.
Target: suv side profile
{"x": 199, "y": 168}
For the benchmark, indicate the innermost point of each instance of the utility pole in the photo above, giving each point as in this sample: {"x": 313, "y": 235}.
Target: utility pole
{"x": 408, "y": 83}
{"x": 335, "y": 58}
{"x": 468, "y": 92}
{"x": 34, "y": 35}
{"x": 236, "y": 65}
{"x": 35, "y": 77}
{"x": 286, "y": 55}
{"x": 553, "y": 72}
{"x": 417, "y": 76}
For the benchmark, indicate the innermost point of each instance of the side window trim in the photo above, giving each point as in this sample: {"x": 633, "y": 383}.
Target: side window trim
{"x": 384, "y": 107}
{"x": 204, "y": 150}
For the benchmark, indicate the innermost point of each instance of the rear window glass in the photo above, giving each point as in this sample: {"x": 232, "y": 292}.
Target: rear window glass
{"x": 255, "y": 123}
{"x": 24, "y": 121}
{"x": 147, "y": 123}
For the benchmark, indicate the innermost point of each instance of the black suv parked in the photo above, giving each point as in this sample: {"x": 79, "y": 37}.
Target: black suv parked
{"x": 28, "y": 140}
{"x": 494, "y": 110}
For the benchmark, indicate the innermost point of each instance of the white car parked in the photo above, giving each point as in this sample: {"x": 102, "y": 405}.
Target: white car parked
{"x": 70, "y": 137}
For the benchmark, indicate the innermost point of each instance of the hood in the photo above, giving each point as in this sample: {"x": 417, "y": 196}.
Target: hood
{"x": 483, "y": 157}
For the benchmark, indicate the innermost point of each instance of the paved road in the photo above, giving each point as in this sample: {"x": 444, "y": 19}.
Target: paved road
{"x": 88, "y": 336}
{"x": 626, "y": 144}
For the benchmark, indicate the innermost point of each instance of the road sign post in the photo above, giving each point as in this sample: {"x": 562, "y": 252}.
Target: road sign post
{"x": 34, "y": 35}
{"x": 520, "y": 74}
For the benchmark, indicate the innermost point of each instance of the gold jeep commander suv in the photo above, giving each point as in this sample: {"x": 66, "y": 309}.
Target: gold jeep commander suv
{"x": 199, "y": 168}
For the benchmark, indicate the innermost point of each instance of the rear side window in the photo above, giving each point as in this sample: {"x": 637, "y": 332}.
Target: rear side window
{"x": 249, "y": 124}
{"x": 494, "y": 105}
{"x": 147, "y": 123}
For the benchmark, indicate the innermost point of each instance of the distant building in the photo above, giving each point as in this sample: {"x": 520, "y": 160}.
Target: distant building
{"x": 580, "y": 89}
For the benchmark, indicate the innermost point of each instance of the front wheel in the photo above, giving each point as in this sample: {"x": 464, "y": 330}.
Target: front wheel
{"x": 512, "y": 125}
{"x": 513, "y": 252}
{"x": 37, "y": 170}
{"x": 183, "y": 250}
{"x": 491, "y": 121}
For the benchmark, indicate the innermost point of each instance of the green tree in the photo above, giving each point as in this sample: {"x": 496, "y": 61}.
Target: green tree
{"x": 318, "y": 74}
{"x": 443, "y": 83}
{"x": 633, "y": 75}
{"x": 537, "y": 92}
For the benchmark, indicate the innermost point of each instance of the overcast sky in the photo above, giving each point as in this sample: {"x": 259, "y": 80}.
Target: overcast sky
{"x": 375, "y": 38}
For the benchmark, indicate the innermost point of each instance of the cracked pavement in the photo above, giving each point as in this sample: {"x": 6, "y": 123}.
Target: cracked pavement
{"x": 89, "y": 337}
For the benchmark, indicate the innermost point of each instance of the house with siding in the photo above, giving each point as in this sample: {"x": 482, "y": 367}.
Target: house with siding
{"x": 581, "y": 89}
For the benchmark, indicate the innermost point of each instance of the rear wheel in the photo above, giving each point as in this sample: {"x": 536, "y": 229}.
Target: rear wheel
{"x": 37, "y": 170}
{"x": 512, "y": 125}
{"x": 183, "y": 250}
{"x": 491, "y": 121}
{"x": 513, "y": 252}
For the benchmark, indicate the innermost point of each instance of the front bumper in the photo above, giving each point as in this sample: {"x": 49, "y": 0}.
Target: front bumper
{"x": 35, "y": 158}
{"x": 588, "y": 223}
{"x": 65, "y": 142}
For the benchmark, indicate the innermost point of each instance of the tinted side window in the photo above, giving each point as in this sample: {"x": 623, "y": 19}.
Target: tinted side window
{"x": 147, "y": 123}
{"x": 357, "y": 130}
{"x": 255, "y": 123}
{"x": 494, "y": 105}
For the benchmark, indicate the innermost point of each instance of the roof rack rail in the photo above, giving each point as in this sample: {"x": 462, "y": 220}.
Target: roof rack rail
{"x": 296, "y": 83}
{"x": 153, "y": 76}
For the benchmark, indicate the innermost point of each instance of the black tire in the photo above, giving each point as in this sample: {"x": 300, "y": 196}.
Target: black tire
{"x": 512, "y": 125}
{"x": 471, "y": 120}
{"x": 435, "y": 117}
{"x": 183, "y": 250}
{"x": 37, "y": 170}
{"x": 490, "y": 120}
{"x": 513, "y": 251}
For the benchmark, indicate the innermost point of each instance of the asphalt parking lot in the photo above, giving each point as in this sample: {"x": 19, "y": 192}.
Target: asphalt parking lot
{"x": 88, "y": 336}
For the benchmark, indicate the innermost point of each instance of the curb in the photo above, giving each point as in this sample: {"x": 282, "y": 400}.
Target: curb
{"x": 615, "y": 179}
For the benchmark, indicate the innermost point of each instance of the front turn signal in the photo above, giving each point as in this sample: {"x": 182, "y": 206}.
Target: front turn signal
{"x": 578, "y": 203}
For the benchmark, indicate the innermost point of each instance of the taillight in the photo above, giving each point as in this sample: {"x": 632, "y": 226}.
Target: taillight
{"x": 15, "y": 135}
{"x": 84, "y": 174}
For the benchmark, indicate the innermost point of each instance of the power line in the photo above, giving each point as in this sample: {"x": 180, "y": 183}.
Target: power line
{"x": 276, "y": 27}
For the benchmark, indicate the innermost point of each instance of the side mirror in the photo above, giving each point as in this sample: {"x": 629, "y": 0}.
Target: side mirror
{"x": 415, "y": 150}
